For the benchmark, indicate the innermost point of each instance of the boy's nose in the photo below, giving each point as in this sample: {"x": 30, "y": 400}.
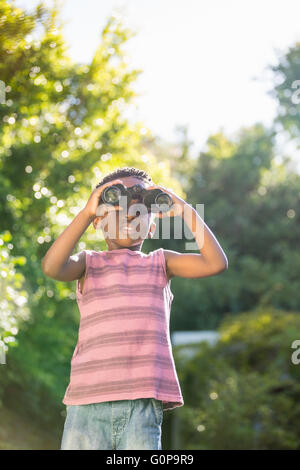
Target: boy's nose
{"x": 133, "y": 216}
{"x": 137, "y": 213}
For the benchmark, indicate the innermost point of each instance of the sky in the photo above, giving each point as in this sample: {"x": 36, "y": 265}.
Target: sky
{"x": 205, "y": 62}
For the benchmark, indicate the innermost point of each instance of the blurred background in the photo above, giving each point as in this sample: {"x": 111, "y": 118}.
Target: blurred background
{"x": 204, "y": 96}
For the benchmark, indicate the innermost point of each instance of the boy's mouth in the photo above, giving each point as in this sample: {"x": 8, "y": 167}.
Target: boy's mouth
{"x": 128, "y": 229}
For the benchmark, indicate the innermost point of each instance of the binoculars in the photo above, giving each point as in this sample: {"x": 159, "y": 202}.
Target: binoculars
{"x": 155, "y": 200}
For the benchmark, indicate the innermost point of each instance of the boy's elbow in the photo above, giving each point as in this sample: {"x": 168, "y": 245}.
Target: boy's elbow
{"x": 223, "y": 266}
{"x": 225, "y": 263}
{"x": 45, "y": 268}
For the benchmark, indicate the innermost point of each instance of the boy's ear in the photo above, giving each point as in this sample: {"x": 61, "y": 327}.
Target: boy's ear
{"x": 96, "y": 221}
{"x": 152, "y": 230}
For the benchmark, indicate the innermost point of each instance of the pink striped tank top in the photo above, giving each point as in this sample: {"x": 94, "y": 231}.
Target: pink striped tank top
{"x": 124, "y": 350}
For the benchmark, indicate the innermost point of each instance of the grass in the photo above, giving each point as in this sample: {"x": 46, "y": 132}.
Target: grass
{"x": 19, "y": 433}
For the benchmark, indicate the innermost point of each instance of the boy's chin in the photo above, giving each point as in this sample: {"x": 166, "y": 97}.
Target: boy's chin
{"x": 128, "y": 242}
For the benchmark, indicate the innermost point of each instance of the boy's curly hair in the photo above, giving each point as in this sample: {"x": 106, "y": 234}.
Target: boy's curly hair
{"x": 126, "y": 171}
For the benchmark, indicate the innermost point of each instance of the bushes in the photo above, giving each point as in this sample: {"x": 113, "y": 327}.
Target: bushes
{"x": 243, "y": 393}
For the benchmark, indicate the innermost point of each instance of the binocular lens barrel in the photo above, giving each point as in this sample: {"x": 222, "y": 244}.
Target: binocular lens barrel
{"x": 162, "y": 198}
{"x": 112, "y": 195}
{"x": 153, "y": 199}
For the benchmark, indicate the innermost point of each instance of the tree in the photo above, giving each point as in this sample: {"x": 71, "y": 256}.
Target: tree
{"x": 242, "y": 392}
{"x": 63, "y": 127}
{"x": 286, "y": 90}
{"x": 250, "y": 203}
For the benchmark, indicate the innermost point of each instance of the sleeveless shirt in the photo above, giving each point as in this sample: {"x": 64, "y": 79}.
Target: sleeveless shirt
{"x": 124, "y": 350}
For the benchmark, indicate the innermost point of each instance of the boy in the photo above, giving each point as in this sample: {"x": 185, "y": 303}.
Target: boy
{"x": 123, "y": 374}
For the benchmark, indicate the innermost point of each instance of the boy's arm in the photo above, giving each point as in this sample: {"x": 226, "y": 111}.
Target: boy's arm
{"x": 58, "y": 262}
{"x": 210, "y": 262}
{"x": 212, "y": 259}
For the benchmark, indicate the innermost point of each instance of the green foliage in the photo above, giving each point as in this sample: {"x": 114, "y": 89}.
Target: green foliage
{"x": 286, "y": 90}
{"x": 243, "y": 392}
{"x": 13, "y": 293}
{"x": 250, "y": 203}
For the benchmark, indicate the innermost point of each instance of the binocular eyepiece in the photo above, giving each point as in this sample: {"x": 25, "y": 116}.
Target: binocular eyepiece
{"x": 155, "y": 200}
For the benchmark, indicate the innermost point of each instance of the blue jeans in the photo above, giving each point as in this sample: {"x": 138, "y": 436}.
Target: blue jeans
{"x": 114, "y": 425}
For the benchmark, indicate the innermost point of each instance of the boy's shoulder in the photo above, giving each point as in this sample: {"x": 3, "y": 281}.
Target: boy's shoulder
{"x": 166, "y": 255}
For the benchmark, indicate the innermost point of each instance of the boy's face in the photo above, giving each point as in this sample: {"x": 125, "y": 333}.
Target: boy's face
{"x": 128, "y": 227}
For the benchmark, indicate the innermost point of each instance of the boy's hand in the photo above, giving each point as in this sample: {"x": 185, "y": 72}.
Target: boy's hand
{"x": 178, "y": 203}
{"x": 94, "y": 200}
